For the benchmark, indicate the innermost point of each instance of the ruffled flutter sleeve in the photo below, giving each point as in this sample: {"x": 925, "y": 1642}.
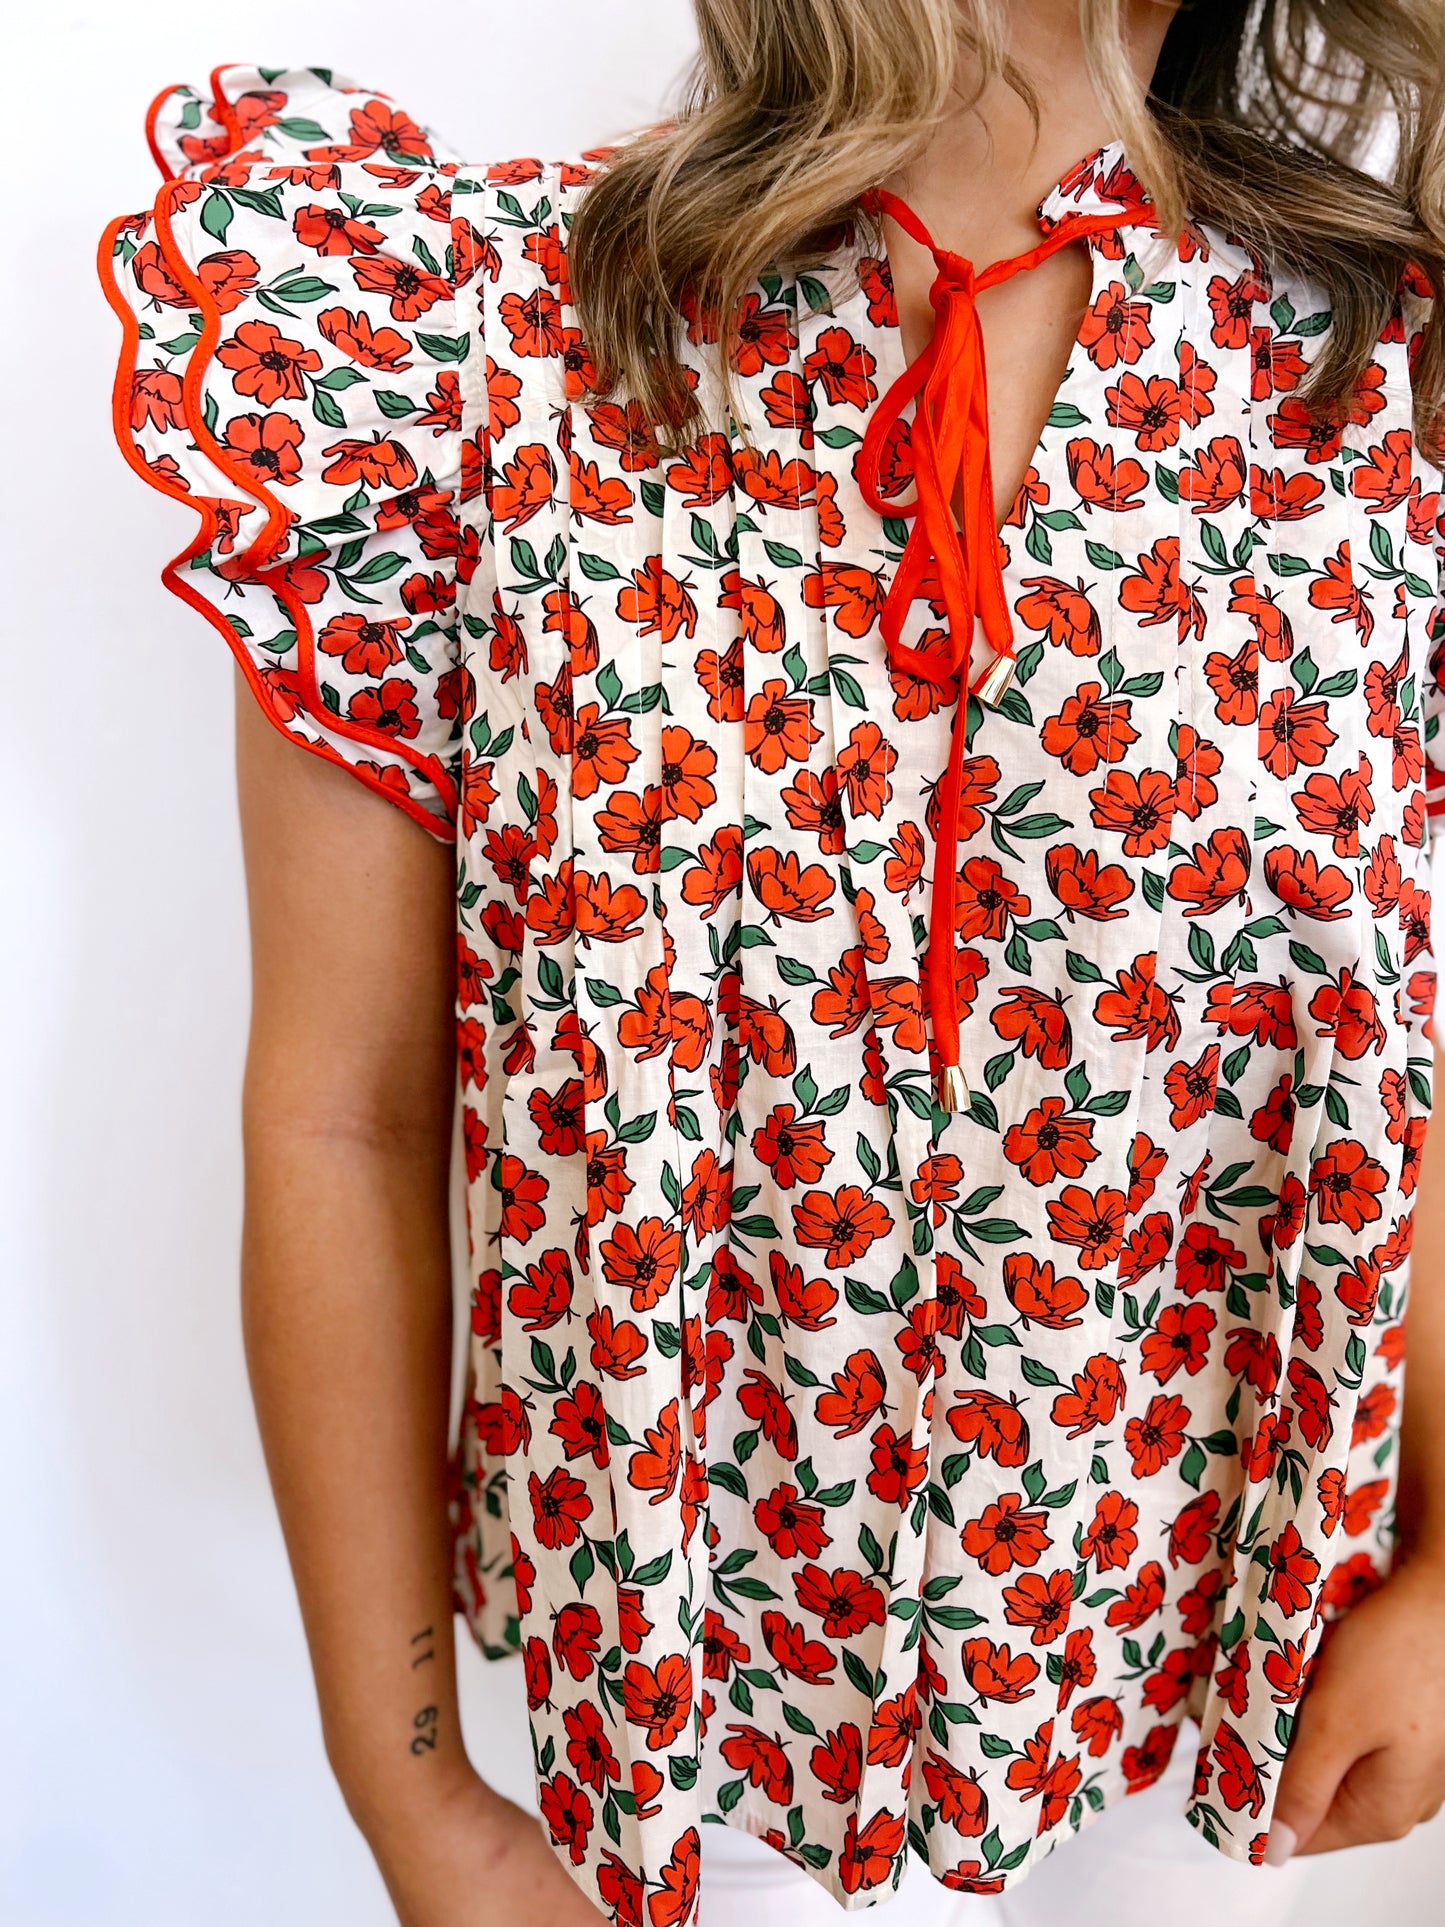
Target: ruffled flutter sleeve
{"x": 290, "y": 372}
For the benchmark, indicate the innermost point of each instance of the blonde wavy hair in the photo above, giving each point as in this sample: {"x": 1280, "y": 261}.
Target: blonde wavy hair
{"x": 1258, "y": 119}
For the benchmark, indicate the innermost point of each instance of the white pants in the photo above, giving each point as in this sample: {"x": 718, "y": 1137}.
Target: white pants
{"x": 1139, "y": 1865}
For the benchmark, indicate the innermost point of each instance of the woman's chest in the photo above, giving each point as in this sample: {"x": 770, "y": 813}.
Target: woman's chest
{"x": 1219, "y": 609}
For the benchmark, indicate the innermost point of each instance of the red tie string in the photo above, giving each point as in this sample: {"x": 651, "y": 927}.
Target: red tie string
{"x": 958, "y": 564}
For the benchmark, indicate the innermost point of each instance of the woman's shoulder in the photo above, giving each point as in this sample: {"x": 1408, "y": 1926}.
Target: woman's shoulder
{"x": 1293, "y": 309}
{"x": 303, "y": 113}
{"x": 293, "y": 368}
{"x": 298, "y": 202}
{"x": 283, "y": 132}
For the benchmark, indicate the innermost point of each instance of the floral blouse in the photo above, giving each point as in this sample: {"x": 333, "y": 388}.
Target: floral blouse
{"x": 862, "y": 1474}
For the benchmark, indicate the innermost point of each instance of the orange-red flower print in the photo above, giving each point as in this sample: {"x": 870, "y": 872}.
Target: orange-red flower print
{"x": 265, "y": 365}
{"x": 870, "y": 1851}
{"x": 835, "y": 1461}
{"x": 658, "y": 1700}
{"x": 674, "y": 1904}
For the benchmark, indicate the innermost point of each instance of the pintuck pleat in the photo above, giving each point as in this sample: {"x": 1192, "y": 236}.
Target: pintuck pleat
{"x": 857, "y": 696}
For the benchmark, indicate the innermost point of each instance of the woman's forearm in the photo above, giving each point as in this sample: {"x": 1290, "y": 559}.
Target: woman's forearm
{"x": 1421, "y": 1506}
{"x": 347, "y": 1305}
{"x": 350, "y": 1086}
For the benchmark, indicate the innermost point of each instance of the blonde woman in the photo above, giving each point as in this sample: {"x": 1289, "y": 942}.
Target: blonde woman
{"x": 868, "y": 666}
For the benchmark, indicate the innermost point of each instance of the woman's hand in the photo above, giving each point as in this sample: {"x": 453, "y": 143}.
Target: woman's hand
{"x": 472, "y": 1858}
{"x": 1367, "y": 1761}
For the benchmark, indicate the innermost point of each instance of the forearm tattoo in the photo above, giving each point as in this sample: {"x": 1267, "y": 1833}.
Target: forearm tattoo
{"x": 424, "y": 1721}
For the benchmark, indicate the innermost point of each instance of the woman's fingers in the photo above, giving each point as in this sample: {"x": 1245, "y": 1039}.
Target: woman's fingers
{"x": 1367, "y": 1758}
{"x": 1323, "y": 1751}
{"x": 1377, "y": 1799}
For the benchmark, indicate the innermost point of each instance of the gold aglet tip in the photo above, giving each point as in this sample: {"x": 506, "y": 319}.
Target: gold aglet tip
{"x": 993, "y": 683}
{"x": 952, "y": 1090}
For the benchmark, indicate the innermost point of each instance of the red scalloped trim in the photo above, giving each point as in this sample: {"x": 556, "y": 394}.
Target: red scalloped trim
{"x": 204, "y": 506}
{"x": 221, "y": 108}
{"x": 260, "y": 552}
{"x": 153, "y": 114}
{"x": 226, "y": 117}
{"x": 256, "y": 559}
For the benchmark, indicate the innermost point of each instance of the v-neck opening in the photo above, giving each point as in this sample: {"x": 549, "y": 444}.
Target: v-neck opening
{"x": 892, "y": 330}
{"x": 1076, "y": 192}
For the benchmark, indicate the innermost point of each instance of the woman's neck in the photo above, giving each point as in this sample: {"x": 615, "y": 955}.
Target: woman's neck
{"x": 987, "y": 167}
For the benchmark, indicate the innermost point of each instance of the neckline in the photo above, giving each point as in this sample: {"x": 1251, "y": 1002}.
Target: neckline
{"x": 1101, "y": 183}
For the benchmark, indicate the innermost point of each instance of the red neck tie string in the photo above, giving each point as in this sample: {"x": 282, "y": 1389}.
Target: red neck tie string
{"x": 957, "y": 564}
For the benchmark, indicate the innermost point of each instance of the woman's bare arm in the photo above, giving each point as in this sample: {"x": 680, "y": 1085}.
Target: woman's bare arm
{"x": 347, "y": 1311}
{"x": 1368, "y": 1760}
{"x": 345, "y": 1266}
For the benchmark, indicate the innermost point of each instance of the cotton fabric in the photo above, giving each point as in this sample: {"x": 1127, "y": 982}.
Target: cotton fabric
{"x": 1132, "y": 1867}
{"x": 870, "y": 1476}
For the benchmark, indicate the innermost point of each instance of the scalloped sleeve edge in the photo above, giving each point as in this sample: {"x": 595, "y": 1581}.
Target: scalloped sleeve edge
{"x": 180, "y": 579}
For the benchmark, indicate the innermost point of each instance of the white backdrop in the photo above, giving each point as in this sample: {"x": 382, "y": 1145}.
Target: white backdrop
{"x": 161, "y": 1761}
